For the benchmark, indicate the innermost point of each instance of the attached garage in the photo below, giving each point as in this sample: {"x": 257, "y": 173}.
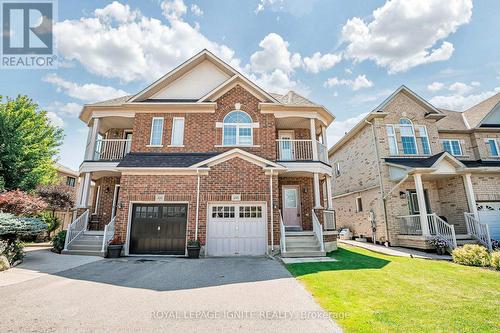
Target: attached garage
{"x": 236, "y": 229}
{"x": 489, "y": 213}
{"x": 158, "y": 229}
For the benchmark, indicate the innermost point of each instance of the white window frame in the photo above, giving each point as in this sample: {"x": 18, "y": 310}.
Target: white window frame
{"x": 182, "y": 129}
{"x": 451, "y": 146}
{"x": 426, "y": 136}
{"x": 410, "y": 125}
{"x": 392, "y": 136}
{"x": 496, "y": 146}
{"x": 238, "y": 126}
{"x": 359, "y": 202}
{"x": 161, "y": 132}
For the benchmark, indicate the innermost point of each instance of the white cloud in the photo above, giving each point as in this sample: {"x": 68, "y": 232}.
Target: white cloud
{"x": 460, "y": 88}
{"x": 274, "y": 54}
{"x": 338, "y": 129}
{"x": 358, "y": 83}
{"x": 67, "y": 109}
{"x": 404, "y": 34}
{"x": 297, "y": 8}
{"x": 196, "y": 10}
{"x": 117, "y": 42}
{"x": 460, "y": 100}
{"x": 89, "y": 92}
{"x": 55, "y": 119}
{"x": 435, "y": 86}
{"x": 319, "y": 62}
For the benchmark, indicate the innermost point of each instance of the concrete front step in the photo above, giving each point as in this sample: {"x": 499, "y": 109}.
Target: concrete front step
{"x": 303, "y": 248}
{"x": 461, "y": 242}
{"x": 85, "y": 242}
{"x": 85, "y": 247}
{"x": 303, "y": 254}
{"x": 301, "y": 243}
{"x": 298, "y": 233}
{"x": 84, "y": 253}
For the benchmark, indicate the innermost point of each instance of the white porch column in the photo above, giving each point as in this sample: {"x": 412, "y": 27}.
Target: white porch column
{"x": 421, "y": 204}
{"x": 471, "y": 199}
{"x": 323, "y": 135}
{"x": 313, "y": 139}
{"x": 317, "y": 197}
{"x": 329, "y": 198}
{"x": 85, "y": 191}
{"x": 94, "y": 130}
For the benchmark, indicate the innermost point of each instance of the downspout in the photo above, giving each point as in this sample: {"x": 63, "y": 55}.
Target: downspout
{"x": 384, "y": 207}
{"x": 197, "y": 203}
{"x": 272, "y": 209}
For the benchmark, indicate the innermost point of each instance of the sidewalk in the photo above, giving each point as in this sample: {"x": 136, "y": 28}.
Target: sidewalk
{"x": 396, "y": 251}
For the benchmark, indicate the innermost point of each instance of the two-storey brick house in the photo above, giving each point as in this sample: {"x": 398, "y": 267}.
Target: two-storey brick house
{"x": 204, "y": 153}
{"x": 409, "y": 171}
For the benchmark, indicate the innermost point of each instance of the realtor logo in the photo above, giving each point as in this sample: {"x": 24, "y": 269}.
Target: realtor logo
{"x": 27, "y": 39}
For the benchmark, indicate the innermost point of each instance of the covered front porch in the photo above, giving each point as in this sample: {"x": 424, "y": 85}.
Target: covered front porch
{"x": 437, "y": 200}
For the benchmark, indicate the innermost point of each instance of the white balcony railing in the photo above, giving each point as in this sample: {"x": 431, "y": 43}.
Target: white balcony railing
{"x": 478, "y": 230}
{"x": 112, "y": 149}
{"x": 300, "y": 150}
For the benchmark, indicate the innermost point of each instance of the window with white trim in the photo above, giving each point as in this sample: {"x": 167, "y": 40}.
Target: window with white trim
{"x": 156, "y": 131}
{"x": 424, "y": 140}
{"x": 359, "y": 204}
{"x": 452, "y": 146}
{"x": 237, "y": 129}
{"x": 493, "y": 145}
{"x": 177, "y": 131}
{"x": 408, "y": 139}
{"x": 393, "y": 143}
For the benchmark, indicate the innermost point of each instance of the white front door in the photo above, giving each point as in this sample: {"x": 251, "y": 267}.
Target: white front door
{"x": 291, "y": 205}
{"x": 286, "y": 148}
{"x": 236, "y": 229}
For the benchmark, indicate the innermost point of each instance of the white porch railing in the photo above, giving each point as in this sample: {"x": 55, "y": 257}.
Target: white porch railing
{"x": 76, "y": 228}
{"x": 410, "y": 225}
{"x": 112, "y": 149}
{"x": 478, "y": 230}
{"x": 282, "y": 234}
{"x": 318, "y": 230}
{"x": 109, "y": 233}
{"x": 300, "y": 150}
{"x": 329, "y": 219}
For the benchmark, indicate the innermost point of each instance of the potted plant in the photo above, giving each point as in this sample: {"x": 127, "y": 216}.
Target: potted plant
{"x": 115, "y": 247}
{"x": 193, "y": 247}
{"x": 439, "y": 243}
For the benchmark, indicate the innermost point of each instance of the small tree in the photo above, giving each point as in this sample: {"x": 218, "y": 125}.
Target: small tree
{"x": 56, "y": 196}
{"x": 21, "y": 203}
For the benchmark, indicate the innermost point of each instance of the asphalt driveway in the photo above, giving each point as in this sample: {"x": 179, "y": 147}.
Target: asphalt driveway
{"x": 162, "y": 294}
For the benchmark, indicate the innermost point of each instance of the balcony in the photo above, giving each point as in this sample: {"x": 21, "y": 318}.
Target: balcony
{"x": 111, "y": 149}
{"x": 301, "y": 150}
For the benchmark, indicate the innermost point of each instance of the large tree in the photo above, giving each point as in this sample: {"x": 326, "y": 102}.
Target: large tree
{"x": 28, "y": 144}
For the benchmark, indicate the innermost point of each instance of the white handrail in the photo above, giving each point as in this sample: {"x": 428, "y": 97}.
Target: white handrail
{"x": 478, "y": 230}
{"x": 318, "y": 230}
{"x": 112, "y": 149}
{"x": 109, "y": 233}
{"x": 442, "y": 229}
{"x": 282, "y": 234}
{"x": 76, "y": 227}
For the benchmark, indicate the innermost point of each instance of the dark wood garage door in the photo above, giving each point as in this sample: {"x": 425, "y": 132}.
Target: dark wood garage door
{"x": 158, "y": 229}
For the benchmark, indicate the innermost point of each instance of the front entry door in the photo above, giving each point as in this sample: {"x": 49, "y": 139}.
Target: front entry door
{"x": 413, "y": 202}
{"x": 291, "y": 206}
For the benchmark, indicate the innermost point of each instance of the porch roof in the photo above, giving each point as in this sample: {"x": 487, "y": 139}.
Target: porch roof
{"x": 164, "y": 160}
{"x": 481, "y": 163}
{"x": 415, "y": 162}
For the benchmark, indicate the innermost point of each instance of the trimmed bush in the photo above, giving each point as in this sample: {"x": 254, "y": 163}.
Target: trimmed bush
{"x": 58, "y": 241}
{"x": 495, "y": 260}
{"x": 471, "y": 255}
{"x": 13, "y": 227}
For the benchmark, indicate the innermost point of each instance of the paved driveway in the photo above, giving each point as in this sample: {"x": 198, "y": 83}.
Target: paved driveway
{"x": 158, "y": 294}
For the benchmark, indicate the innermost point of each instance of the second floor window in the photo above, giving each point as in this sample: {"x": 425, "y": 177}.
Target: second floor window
{"x": 452, "y": 146}
{"x": 493, "y": 147}
{"x": 393, "y": 143}
{"x": 424, "y": 140}
{"x": 237, "y": 129}
{"x": 156, "y": 131}
{"x": 177, "y": 132}
{"x": 408, "y": 137}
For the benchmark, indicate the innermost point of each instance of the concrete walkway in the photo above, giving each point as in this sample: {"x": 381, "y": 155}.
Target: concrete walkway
{"x": 161, "y": 295}
{"x": 396, "y": 251}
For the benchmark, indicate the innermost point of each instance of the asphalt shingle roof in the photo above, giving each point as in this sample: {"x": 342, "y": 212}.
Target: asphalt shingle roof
{"x": 163, "y": 160}
{"x": 417, "y": 162}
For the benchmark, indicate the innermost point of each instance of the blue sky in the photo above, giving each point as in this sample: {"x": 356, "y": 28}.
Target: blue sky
{"x": 346, "y": 55}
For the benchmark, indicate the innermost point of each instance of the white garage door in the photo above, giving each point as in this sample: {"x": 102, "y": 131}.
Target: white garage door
{"x": 489, "y": 213}
{"x": 236, "y": 229}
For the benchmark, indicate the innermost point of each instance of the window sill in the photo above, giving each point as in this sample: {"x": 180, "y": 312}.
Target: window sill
{"x": 175, "y": 146}
{"x": 154, "y": 146}
{"x": 239, "y": 146}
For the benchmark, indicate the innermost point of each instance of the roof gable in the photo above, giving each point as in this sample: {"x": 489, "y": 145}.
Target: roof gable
{"x": 476, "y": 114}
{"x": 239, "y": 153}
{"x": 492, "y": 119}
{"x": 410, "y": 93}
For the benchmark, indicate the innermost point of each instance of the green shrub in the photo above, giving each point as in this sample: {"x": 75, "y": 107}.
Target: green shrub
{"x": 4, "y": 263}
{"x": 495, "y": 260}
{"x": 58, "y": 241}
{"x": 13, "y": 227}
{"x": 51, "y": 221}
{"x": 12, "y": 250}
{"x": 471, "y": 255}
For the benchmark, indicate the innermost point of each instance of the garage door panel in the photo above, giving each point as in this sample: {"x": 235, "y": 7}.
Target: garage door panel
{"x": 489, "y": 213}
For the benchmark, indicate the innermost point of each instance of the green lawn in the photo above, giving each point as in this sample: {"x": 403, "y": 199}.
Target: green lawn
{"x": 379, "y": 293}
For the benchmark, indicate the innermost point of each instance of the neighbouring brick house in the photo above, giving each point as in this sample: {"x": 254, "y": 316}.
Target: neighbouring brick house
{"x": 204, "y": 153}
{"x": 68, "y": 180}
{"x": 409, "y": 171}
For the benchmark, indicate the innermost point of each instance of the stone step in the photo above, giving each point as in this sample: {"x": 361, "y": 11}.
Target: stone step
{"x": 301, "y": 239}
{"x": 84, "y": 253}
{"x": 84, "y": 247}
{"x": 301, "y": 243}
{"x": 91, "y": 238}
{"x": 303, "y": 254}
{"x": 303, "y": 248}
{"x": 94, "y": 232}
{"x": 298, "y": 233}
{"x": 461, "y": 242}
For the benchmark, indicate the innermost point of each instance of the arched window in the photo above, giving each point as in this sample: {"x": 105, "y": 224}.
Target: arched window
{"x": 408, "y": 137}
{"x": 237, "y": 129}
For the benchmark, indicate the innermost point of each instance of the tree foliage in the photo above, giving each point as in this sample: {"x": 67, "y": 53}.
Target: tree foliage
{"x": 12, "y": 227}
{"x": 28, "y": 144}
{"x": 21, "y": 203}
{"x": 56, "y": 196}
